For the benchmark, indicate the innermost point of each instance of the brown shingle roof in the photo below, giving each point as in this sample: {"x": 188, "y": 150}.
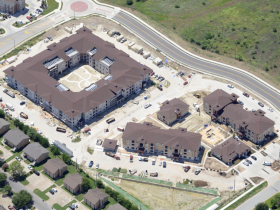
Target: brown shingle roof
{"x": 172, "y": 108}
{"x": 35, "y": 150}
{"x": 15, "y": 136}
{"x": 173, "y": 138}
{"x": 73, "y": 180}
{"x": 53, "y": 165}
{"x": 219, "y": 99}
{"x": 110, "y": 143}
{"x": 95, "y": 195}
{"x": 229, "y": 149}
{"x": 34, "y": 75}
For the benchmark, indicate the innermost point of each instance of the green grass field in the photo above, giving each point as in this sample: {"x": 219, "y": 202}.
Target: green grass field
{"x": 52, "y": 5}
{"x": 268, "y": 202}
{"x": 245, "y": 30}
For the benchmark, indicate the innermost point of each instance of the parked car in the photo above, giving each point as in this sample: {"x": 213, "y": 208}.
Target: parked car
{"x": 97, "y": 166}
{"x": 30, "y": 167}
{"x": 52, "y": 192}
{"x": 28, "y": 17}
{"x": 22, "y": 103}
{"x": 160, "y": 88}
{"x": 164, "y": 164}
{"x": 194, "y": 104}
{"x": 37, "y": 173}
{"x": 53, "y": 189}
{"x": 266, "y": 164}
{"x": 159, "y": 163}
{"x": 240, "y": 102}
{"x": 17, "y": 158}
{"x": 185, "y": 83}
{"x": 269, "y": 109}
{"x": 253, "y": 110}
{"x": 90, "y": 163}
{"x": 246, "y": 94}
{"x": 261, "y": 104}
{"x": 38, "y": 10}
{"x": 147, "y": 105}
{"x": 248, "y": 161}
{"x": 49, "y": 38}
{"x": 253, "y": 157}
{"x": 112, "y": 119}
{"x": 152, "y": 73}
{"x": 20, "y": 22}
{"x": 197, "y": 171}
{"x": 187, "y": 168}
{"x": 246, "y": 164}
{"x": 230, "y": 86}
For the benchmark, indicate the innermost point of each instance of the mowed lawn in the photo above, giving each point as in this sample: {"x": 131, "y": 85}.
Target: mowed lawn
{"x": 246, "y": 30}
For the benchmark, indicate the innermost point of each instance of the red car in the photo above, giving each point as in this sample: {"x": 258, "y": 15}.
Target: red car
{"x": 185, "y": 83}
{"x": 28, "y": 17}
{"x": 187, "y": 168}
{"x": 152, "y": 73}
{"x": 190, "y": 76}
{"x": 246, "y": 94}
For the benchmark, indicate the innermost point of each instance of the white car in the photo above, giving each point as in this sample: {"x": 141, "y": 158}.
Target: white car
{"x": 266, "y": 163}
{"x": 53, "y": 189}
{"x": 30, "y": 167}
{"x": 271, "y": 110}
{"x": 147, "y": 106}
{"x": 159, "y": 163}
{"x": 17, "y": 158}
{"x": 194, "y": 104}
{"x": 246, "y": 164}
{"x": 20, "y": 22}
{"x": 97, "y": 165}
{"x": 230, "y": 86}
{"x": 253, "y": 110}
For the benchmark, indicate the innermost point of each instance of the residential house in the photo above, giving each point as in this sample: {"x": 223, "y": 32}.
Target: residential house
{"x": 110, "y": 144}
{"x": 4, "y": 126}
{"x": 230, "y": 150}
{"x": 16, "y": 139}
{"x": 171, "y": 111}
{"x": 173, "y": 143}
{"x": 36, "y": 152}
{"x": 95, "y": 198}
{"x": 73, "y": 183}
{"x": 55, "y": 168}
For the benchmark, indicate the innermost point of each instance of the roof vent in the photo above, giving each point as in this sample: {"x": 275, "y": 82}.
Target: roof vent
{"x": 142, "y": 139}
{"x": 84, "y": 30}
{"x": 116, "y": 86}
{"x": 72, "y": 111}
{"x": 110, "y": 142}
{"x": 144, "y": 68}
{"x": 177, "y": 145}
{"x": 182, "y": 129}
{"x": 12, "y": 69}
{"x": 54, "y": 45}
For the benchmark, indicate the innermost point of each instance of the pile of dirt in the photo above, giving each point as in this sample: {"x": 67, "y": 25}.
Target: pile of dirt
{"x": 256, "y": 179}
{"x": 200, "y": 183}
{"x": 275, "y": 165}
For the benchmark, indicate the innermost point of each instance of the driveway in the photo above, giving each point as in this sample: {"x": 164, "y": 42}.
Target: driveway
{"x": 38, "y": 182}
{"x": 6, "y": 153}
{"x": 61, "y": 197}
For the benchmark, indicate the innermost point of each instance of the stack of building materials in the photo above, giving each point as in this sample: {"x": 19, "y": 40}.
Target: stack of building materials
{"x": 146, "y": 54}
{"x": 131, "y": 44}
{"x": 137, "y": 48}
{"x": 111, "y": 33}
{"x": 119, "y": 38}
{"x": 157, "y": 61}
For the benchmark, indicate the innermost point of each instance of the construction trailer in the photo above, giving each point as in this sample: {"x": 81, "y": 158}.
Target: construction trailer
{"x": 130, "y": 45}
{"x": 112, "y": 33}
{"x": 137, "y": 48}
{"x": 119, "y": 38}
{"x": 157, "y": 61}
{"x": 146, "y": 54}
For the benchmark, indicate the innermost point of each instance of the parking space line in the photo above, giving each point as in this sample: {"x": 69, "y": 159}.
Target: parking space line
{"x": 26, "y": 32}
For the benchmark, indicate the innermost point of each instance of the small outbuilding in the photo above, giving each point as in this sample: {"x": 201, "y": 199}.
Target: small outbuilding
{"x": 110, "y": 144}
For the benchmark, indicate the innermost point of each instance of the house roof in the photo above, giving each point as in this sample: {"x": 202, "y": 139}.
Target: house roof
{"x": 94, "y": 195}
{"x": 172, "y": 108}
{"x": 35, "y": 150}
{"x": 54, "y": 165}
{"x": 32, "y": 73}
{"x": 15, "y": 136}
{"x": 73, "y": 180}
{"x": 110, "y": 143}
{"x": 219, "y": 99}
{"x": 116, "y": 207}
{"x": 3, "y": 122}
{"x": 229, "y": 149}
{"x": 256, "y": 121}
{"x": 147, "y": 133}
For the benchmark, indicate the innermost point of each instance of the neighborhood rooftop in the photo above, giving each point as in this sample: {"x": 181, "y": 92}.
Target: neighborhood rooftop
{"x": 15, "y": 136}
{"x": 35, "y": 150}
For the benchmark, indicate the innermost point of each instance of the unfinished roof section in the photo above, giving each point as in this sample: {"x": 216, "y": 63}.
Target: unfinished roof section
{"x": 173, "y": 107}
{"x": 33, "y": 74}
{"x": 230, "y": 148}
{"x": 147, "y": 133}
{"x": 219, "y": 99}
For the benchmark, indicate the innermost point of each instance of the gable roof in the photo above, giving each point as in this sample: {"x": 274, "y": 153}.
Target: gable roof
{"x": 54, "y": 165}
{"x": 94, "y": 195}
{"x": 3, "y": 122}
{"x": 73, "y": 180}
{"x": 110, "y": 143}
{"x": 15, "y": 136}
{"x": 173, "y": 138}
{"x": 230, "y": 148}
{"x": 35, "y": 150}
{"x": 172, "y": 108}
{"x": 219, "y": 99}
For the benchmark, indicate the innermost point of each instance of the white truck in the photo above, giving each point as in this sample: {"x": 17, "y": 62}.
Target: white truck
{"x": 196, "y": 106}
{"x": 10, "y": 106}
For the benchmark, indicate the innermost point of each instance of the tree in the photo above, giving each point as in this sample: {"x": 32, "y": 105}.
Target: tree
{"x": 25, "y": 129}
{"x": 1, "y": 153}
{"x": 55, "y": 150}
{"x": 115, "y": 195}
{"x": 21, "y": 199}
{"x": 100, "y": 184}
{"x": 108, "y": 190}
{"x": 133, "y": 207}
{"x": 43, "y": 141}
{"x": 129, "y": 2}
{"x": 86, "y": 184}
{"x": 6, "y": 190}
{"x": 20, "y": 125}
{"x": 2, "y": 113}
{"x": 32, "y": 133}
{"x": 16, "y": 122}
{"x": 5, "y": 166}
{"x": 127, "y": 204}
{"x": 261, "y": 206}
{"x": 120, "y": 199}
{"x": 16, "y": 169}
{"x": 66, "y": 158}
{"x": 273, "y": 202}
{"x": 3, "y": 178}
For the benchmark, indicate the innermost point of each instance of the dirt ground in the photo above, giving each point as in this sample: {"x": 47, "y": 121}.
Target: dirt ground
{"x": 240, "y": 169}
{"x": 190, "y": 99}
{"x": 212, "y": 163}
{"x": 160, "y": 198}
{"x": 217, "y": 135}
{"x": 256, "y": 179}
{"x": 200, "y": 183}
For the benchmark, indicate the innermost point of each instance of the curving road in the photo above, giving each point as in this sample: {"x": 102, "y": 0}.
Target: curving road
{"x": 194, "y": 62}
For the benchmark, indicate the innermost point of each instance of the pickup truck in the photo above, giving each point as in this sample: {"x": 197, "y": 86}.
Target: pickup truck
{"x": 131, "y": 158}
{"x": 112, "y": 155}
{"x": 154, "y": 174}
{"x": 23, "y": 115}
{"x": 133, "y": 172}
{"x": 143, "y": 159}
{"x": 62, "y": 130}
{"x": 112, "y": 119}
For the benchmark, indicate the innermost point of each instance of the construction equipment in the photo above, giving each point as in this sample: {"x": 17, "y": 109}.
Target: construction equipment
{"x": 112, "y": 155}
{"x": 197, "y": 95}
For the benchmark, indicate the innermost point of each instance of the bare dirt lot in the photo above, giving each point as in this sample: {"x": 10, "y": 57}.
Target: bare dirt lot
{"x": 212, "y": 135}
{"x": 212, "y": 163}
{"x": 164, "y": 199}
{"x": 240, "y": 169}
{"x": 190, "y": 99}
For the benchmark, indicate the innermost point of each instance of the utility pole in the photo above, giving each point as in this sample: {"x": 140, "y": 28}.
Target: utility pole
{"x": 234, "y": 186}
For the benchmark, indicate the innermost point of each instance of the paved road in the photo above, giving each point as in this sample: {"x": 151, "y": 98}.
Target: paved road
{"x": 17, "y": 186}
{"x": 194, "y": 62}
{"x": 260, "y": 197}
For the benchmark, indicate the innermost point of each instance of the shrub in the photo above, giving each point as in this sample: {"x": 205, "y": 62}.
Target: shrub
{"x": 275, "y": 65}
{"x": 209, "y": 154}
{"x": 239, "y": 57}
{"x": 233, "y": 29}
{"x": 261, "y": 206}
{"x": 274, "y": 30}
{"x": 123, "y": 170}
{"x": 177, "y": 6}
{"x": 266, "y": 68}
{"x": 119, "y": 169}
{"x": 115, "y": 170}
{"x": 203, "y": 3}
{"x": 129, "y": 2}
